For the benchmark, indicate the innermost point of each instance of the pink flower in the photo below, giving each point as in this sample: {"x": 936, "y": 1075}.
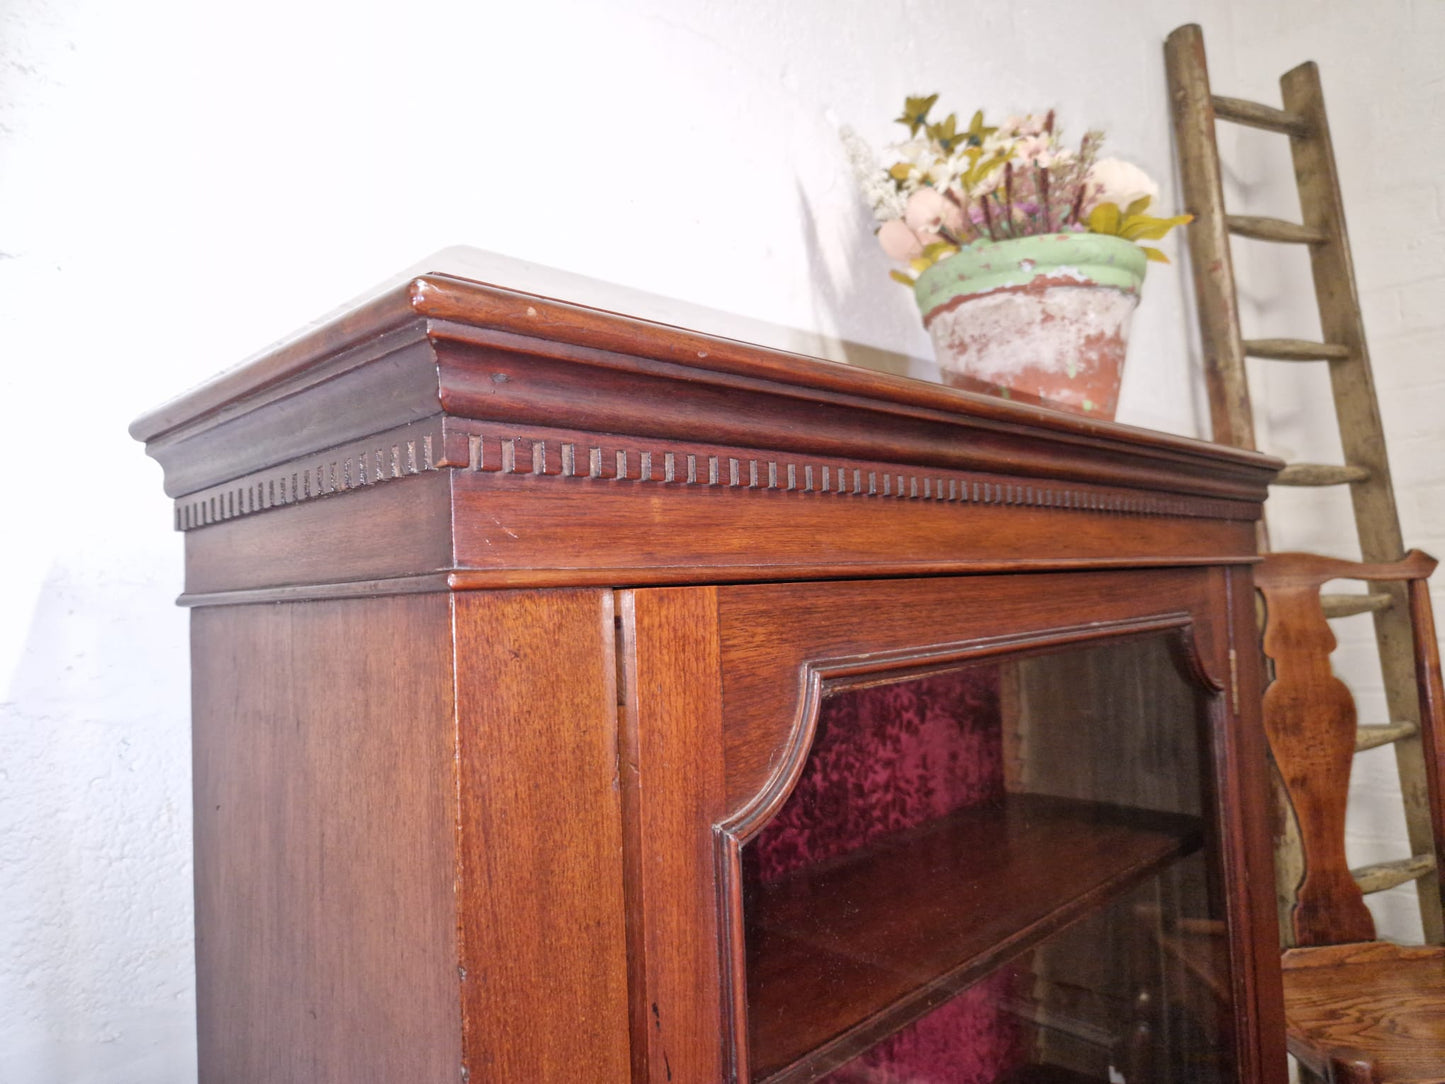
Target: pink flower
{"x": 899, "y": 241}
{"x": 1027, "y": 125}
{"x": 1035, "y": 150}
{"x": 929, "y": 212}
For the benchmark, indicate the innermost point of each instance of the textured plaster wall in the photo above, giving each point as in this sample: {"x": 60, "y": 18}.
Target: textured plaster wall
{"x": 181, "y": 183}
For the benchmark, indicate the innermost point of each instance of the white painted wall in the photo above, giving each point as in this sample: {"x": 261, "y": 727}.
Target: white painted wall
{"x": 181, "y": 183}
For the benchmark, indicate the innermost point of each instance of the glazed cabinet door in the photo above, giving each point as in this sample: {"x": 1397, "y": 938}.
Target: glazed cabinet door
{"x": 946, "y": 831}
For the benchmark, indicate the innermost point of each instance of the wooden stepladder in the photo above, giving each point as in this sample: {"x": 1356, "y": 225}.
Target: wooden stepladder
{"x": 1365, "y": 471}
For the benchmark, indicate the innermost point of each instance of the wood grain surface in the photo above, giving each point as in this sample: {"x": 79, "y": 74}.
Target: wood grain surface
{"x": 772, "y": 634}
{"x": 1310, "y": 720}
{"x": 1372, "y": 1012}
{"x": 544, "y": 984}
{"x": 325, "y": 813}
{"x": 673, "y": 775}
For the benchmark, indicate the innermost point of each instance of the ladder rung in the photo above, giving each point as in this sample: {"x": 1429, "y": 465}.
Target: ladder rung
{"x": 1259, "y": 116}
{"x": 1373, "y": 735}
{"x": 1383, "y": 875}
{"x": 1274, "y": 229}
{"x": 1349, "y": 605}
{"x": 1320, "y": 474}
{"x": 1295, "y": 350}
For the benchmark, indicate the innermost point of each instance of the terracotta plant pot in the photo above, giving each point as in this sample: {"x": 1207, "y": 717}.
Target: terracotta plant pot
{"x": 1043, "y": 319}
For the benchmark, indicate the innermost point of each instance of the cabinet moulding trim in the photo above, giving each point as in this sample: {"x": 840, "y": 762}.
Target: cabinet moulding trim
{"x": 625, "y": 578}
{"x": 399, "y": 453}
{"x": 430, "y": 582}
{"x": 591, "y": 458}
{"x": 824, "y": 676}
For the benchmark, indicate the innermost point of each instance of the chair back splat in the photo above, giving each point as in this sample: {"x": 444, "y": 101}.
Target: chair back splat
{"x": 1310, "y": 721}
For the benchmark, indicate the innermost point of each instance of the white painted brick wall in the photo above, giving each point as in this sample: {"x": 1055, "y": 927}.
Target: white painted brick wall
{"x": 1385, "y": 99}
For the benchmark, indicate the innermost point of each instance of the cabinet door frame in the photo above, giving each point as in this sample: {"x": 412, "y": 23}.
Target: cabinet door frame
{"x": 721, "y": 685}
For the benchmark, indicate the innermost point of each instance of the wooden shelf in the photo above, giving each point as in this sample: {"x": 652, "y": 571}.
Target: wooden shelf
{"x": 1049, "y": 1074}
{"x": 844, "y": 953}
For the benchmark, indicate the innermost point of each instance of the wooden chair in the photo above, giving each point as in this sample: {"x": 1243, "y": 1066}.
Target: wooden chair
{"x": 1357, "y": 1009}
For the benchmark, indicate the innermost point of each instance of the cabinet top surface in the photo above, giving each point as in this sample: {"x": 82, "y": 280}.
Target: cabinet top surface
{"x": 444, "y": 308}
{"x": 529, "y": 440}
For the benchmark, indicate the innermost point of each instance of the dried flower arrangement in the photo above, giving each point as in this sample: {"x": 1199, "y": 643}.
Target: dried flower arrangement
{"x": 951, "y": 186}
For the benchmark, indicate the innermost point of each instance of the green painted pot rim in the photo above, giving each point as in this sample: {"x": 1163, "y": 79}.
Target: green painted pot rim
{"x": 1091, "y": 259}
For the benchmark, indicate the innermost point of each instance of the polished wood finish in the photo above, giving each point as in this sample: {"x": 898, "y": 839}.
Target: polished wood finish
{"x": 510, "y": 617}
{"x": 1249, "y": 847}
{"x": 851, "y": 952}
{"x": 771, "y": 634}
{"x": 540, "y": 822}
{"x": 1356, "y": 1009}
{"x": 325, "y": 739}
{"x": 674, "y": 732}
{"x": 1309, "y": 716}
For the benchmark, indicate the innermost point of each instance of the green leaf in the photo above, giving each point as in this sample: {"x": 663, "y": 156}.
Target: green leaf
{"x": 1138, "y": 207}
{"x": 937, "y": 250}
{"x": 945, "y": 133}
{"x": 1154, "y": 254}
{"x": 977, "y": 133}
{"x": 1145, "y": 228}
{"x": 915, "y": 112}
{"x": 981, "y": 170}
{"x": 901, "y": 276}
{"x": 899, "y": 171}
{"x": 1105, "y": 218}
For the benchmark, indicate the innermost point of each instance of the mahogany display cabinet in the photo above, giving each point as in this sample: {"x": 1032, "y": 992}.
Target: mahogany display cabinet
{"x": 578, "y": 698}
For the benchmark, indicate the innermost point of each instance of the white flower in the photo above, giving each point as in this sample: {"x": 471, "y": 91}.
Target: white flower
{"x": 989, "y": 183}
{"x": 958, "y": 164}
{"x": 940, "y": 173}
{"x": 916, "y": 152}
{"x": 998, "y": 143}
{"x": 878, "y": 188}
{"x": 1112, "y": 180}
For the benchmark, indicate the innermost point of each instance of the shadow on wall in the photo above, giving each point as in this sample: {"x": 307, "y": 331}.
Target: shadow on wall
{"x": 855, "y": 308}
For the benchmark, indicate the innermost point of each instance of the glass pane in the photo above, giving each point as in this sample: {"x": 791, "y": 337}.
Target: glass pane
{"x": 1000, "y": 872}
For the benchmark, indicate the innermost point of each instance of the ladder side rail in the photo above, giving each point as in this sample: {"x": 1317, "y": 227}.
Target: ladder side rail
{"x": 1362, "y": 438}
{"x": 1211, "y": 263}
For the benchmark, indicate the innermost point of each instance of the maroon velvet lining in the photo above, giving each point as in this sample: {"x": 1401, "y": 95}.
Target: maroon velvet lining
{"x": 888, "y": 758}
{"x": 885, "y": 759}
{"x": 963, "y": 1041}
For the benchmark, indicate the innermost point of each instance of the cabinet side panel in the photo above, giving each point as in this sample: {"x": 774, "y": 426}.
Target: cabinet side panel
{"x": 325, "y": 842}
{"x": 544, "y": 990}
